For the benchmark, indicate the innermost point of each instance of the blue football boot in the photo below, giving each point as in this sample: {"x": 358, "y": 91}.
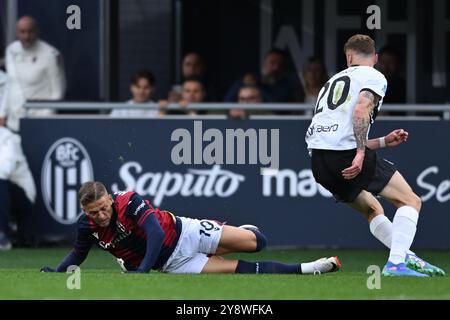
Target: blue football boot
{"x": 418, "y": 264}
{"x": 400, "y": 270}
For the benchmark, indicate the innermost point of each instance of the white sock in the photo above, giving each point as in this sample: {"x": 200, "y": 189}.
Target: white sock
{"x": 381, "y": 228}
{"x": 403, "y": 232}
{"x": 307, "y": 267}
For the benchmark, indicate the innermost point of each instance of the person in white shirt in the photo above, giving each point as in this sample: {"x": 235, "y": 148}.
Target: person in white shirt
{"x": 345, "y": 162}
{"x": 3, "y": 78}
{"x": 142, "y": 87}
{"x": 314, "y": 77}
{"x": 35, "y": 72}
{"x": 17, "y": 187}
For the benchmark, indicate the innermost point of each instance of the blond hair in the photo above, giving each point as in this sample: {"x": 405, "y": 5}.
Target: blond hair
{"x": 91, "y": 191}
{"x": 361, "y": 44}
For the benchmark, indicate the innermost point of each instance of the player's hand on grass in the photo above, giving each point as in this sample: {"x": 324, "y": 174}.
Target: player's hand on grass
{"x": 134, "y": 271}
{"x": 356, "y": 167}
{"x": 47, "y": 269}
{"x": 396, "y": 138}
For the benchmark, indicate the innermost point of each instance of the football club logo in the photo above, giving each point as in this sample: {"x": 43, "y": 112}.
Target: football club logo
{"x": 66, "y": 167}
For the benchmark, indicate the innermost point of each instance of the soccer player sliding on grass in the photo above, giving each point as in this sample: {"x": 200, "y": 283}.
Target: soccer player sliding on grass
{"x": 143, "y": 237}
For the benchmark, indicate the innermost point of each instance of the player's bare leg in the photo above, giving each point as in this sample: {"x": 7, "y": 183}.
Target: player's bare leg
{"x": 217, "y": 264}
{"x": 250, "y": 239}
{"x": 397, "y": 192}
{"x": 368, "y": 205}
{"x": 403, "y": 228}
{"x": 236, "y": 239}
{"x": 380, "y": 226}
{"x": 401, "y": 195}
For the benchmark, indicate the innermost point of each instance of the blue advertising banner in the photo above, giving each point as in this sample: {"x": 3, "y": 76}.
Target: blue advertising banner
{"x": 217, "y": 169}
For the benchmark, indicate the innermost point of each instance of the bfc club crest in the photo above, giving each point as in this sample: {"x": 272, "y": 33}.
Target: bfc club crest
{"x": 66, "y": 167}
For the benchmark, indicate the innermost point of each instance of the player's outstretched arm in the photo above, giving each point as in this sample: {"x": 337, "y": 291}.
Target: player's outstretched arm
{"x": 72, "y": 259}
{"x": 393, "y": 139}
{"x": 79, "y": 253}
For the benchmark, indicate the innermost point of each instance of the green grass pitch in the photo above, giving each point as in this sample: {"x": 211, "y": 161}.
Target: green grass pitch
{"x": 101, "y": 279}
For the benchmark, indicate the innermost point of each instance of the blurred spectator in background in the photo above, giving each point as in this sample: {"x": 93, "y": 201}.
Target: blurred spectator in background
{"x": 35, "y": 72}
{"x": 314, "y": 77}
{"x": 17, "y": 188}
{"x": 142, "y": 87}
{"x": 193, "y": 66}
{"x": 389, "y": 65}
{"x": 247, "y": 94}
{"x": 2, "y": 91}
{"x": 274, "y": 80}
{"x": 192, "y": 91}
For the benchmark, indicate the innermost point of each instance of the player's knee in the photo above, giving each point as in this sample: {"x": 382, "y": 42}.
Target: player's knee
{"x": 372, "y": 216}
{"x": 415, "y": 202}
{"x": 412, "y": 200}
{"x": 376, "y": 209}
{"x": 261, "y": 240}
{"x": 373, "y": 210}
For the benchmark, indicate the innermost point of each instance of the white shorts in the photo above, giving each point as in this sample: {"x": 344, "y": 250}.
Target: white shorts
{"x": 198, "y": 239}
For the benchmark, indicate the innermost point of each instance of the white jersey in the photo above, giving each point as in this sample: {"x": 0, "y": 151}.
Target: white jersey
{"x": 331, "y": 127}
{"x": 134, "y": 113}
{"x": 14, "y": 165}
{"x": 34, "y": 73}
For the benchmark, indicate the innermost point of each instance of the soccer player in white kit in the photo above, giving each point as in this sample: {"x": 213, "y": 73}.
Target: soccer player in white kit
{"x": 345, "y": 162}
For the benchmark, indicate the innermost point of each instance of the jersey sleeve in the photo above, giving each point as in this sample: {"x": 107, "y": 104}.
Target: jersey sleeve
{"x": 141, "y": 213}
{"x": 81, "y": 247}
{"x": 85, "y": 239}
{"x": 138, "y": 209}
{"x": 376, "y": 83}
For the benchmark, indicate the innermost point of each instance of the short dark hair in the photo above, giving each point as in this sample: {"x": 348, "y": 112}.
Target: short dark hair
{"x": 195, "y": 79}
{"x": 199, "y": 56}
{"x": 323, "y": 69}
{"x": 143, "y": 74}
{"x": 360, "y": 43}
{"x": 251, "y": 86}
{"x": 277, "y": 51}
{"x": 91, "y": 191}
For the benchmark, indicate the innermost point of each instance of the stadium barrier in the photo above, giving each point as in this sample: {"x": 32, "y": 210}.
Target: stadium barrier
{"x": 443, "y": 111}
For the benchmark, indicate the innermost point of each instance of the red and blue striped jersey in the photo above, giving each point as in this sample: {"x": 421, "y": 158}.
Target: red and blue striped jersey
{"x": 123, "y": 237}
